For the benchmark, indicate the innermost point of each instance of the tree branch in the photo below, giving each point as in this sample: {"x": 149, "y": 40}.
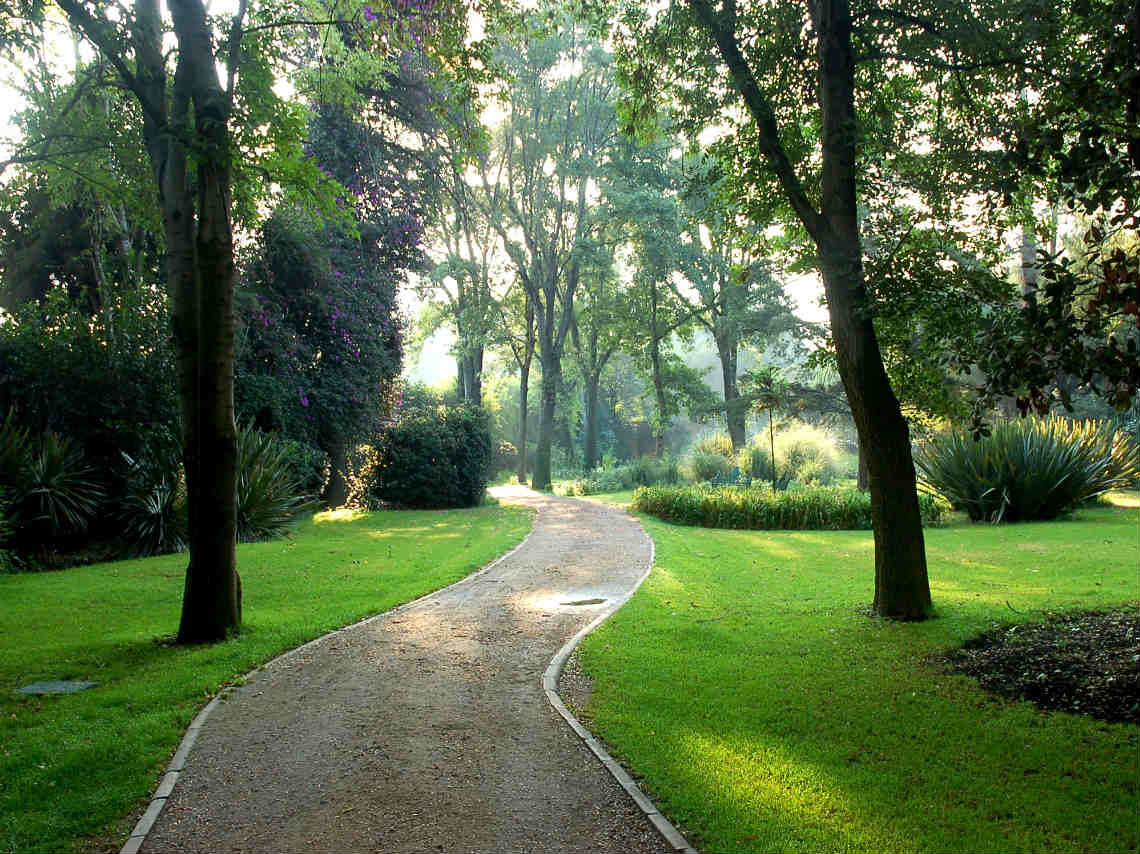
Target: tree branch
{"x": 764, "y": 116}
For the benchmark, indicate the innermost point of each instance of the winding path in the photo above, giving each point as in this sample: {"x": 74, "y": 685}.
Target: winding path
{"x": 426, "y": 728}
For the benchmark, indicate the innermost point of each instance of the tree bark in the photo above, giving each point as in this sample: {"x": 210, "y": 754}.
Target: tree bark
{"x": 658, "y": 379}
{"x": 202, "y": 276}
{"x": 590, "y": 461}
{"x": 524, "y": 386}
{"x": 542, "y": 460}
{"x": 735, "y": 414}
{"x": 336, "y": 490}
{"x": 902, "y": 590}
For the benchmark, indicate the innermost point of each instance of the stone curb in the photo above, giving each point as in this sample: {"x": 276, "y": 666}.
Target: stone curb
{"x": 174, "y": 770}
{"x": 550, "y": 687}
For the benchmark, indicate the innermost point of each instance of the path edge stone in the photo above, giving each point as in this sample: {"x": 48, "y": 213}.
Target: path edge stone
{"x": 550, "y": 687}
{"x": 169, "y": 779}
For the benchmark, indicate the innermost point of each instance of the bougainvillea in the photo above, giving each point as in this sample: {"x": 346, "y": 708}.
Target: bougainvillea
{"x": 322, "y": 342}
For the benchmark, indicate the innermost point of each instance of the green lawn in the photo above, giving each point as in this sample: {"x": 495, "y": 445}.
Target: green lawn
{"x": 767, "y": 712}
{"x": 71, "y": 767}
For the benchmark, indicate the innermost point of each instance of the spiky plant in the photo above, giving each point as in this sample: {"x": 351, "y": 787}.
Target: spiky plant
{"x": 1026, "y": 469}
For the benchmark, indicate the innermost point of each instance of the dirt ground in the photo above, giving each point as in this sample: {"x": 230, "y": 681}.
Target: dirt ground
{"x": 426, "y": 729}
{"x": 1087, "y": 663}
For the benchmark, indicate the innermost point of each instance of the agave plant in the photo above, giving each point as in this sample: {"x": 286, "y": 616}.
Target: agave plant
{"x": 269, "y": 497}
{"x": 1027, "y": 469}
{"x": 153, "y": 507}
{"x": 59, "y": 494}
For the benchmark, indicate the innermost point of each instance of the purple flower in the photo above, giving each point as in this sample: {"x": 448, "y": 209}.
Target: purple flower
{"x": 369, "y": 15}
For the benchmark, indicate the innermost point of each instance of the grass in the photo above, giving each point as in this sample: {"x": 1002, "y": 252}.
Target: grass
{"x": 72, "y": 767}
{"x": 767, "y": 712}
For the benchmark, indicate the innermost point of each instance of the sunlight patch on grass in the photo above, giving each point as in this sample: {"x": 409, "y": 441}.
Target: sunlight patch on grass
{"x": 73, "y": 766}
{"x": 767, "y": 712}
{"x": 344, "y": 514}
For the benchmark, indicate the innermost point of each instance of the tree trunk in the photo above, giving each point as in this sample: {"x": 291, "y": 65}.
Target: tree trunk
{"x": 202, "y": 276}
{"x": 735, "y": 414}
{"x": 658, "y": 379}
{"x": 475, "y": 377}
{"x": 336, "y": 490}
{"x": 524, "y": 383}
{"x": 524, "y": 386}
{"x": 902, "y": 589}
{"x": 864, "y": 477}
{"x": 593, "y": 380}
{"x": 542, "y": 461}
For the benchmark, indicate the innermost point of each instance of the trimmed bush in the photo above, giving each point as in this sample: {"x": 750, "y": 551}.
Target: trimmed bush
{"x": 1028, "y": 469}
{"x": 758, "y": 508}
{"x": 432, "y": 459}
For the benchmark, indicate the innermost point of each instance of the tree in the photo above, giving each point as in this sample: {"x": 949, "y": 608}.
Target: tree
{"x": 198, "y": 131}
{"x": 460, "y": 285}
{"x": 742, "y": 302}
{"x": 598, "y": 331}
{"x": 829, "y": 213}
{"x": 516, "y": 311}
{"x": 644, "y": 211}
{"x": 558, "y": 127}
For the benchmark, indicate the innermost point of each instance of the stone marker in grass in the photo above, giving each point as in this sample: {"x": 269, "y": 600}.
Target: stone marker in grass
{"x": 55, "y": 687}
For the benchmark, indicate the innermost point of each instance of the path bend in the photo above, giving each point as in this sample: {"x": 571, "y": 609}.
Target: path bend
{"x": 426, "y": 728}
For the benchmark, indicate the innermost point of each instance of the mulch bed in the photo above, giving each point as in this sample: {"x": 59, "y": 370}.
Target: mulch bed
{"x": 1086, "y": 663}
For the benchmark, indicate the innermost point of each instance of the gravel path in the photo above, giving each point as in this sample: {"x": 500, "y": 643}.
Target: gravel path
{"x": 426, "y": 729}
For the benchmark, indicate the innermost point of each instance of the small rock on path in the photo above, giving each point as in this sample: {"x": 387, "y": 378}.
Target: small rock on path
{"x": 426, "y": 729}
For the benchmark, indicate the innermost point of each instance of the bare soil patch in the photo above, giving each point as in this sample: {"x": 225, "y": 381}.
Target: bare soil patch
{"x": 1087, "y": 663}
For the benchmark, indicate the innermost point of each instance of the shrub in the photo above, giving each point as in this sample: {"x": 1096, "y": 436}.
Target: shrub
{"x": 269, "y": 496}
{"x": 432, "y": 459}
{"x": 51, "y": 491}
{"x": 707, "y": 465}
{"x": 308, "y": 464}
{"x": 759, "y": 508}
{"x": 648, "y": 471}
{"x": 1027, "y": 469}
{"x": 644, "y": 471}
{"x": 506, "y": 457}
{"x": 153, "y": 506}
{"x": 715, "y": 443}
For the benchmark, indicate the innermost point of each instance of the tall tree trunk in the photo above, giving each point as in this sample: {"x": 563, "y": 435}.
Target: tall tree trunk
{"x": 202, "y": 271}
{"x": 902, "y": 590}
{"x": 475, "y": 377}
{"x": 524, "y": 386}
{"x": 735, "y": 413}
{"x": 658, "y": 378}
{"x": 542, "y": 455}
{"x": 593, "y": 380}
{"x": 336, "y": 490}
